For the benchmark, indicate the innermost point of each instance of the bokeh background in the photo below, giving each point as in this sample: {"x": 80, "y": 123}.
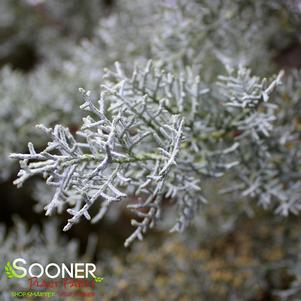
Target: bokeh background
{"x": 50, "y": 48}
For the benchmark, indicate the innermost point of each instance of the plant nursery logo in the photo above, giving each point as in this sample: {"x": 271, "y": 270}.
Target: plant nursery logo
{"x": 62, "y": 279}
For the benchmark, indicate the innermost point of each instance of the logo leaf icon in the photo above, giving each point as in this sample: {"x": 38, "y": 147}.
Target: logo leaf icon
{"x": 98, "y": 279}
{"x": 10, "y": 272}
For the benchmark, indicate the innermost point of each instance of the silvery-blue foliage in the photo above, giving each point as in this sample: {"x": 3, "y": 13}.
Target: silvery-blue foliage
{"x": 193, "y": 113}
{"x": 175, "y": 34}
{"x": 273, "y": 136}
{"x": 152, "y": 135}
